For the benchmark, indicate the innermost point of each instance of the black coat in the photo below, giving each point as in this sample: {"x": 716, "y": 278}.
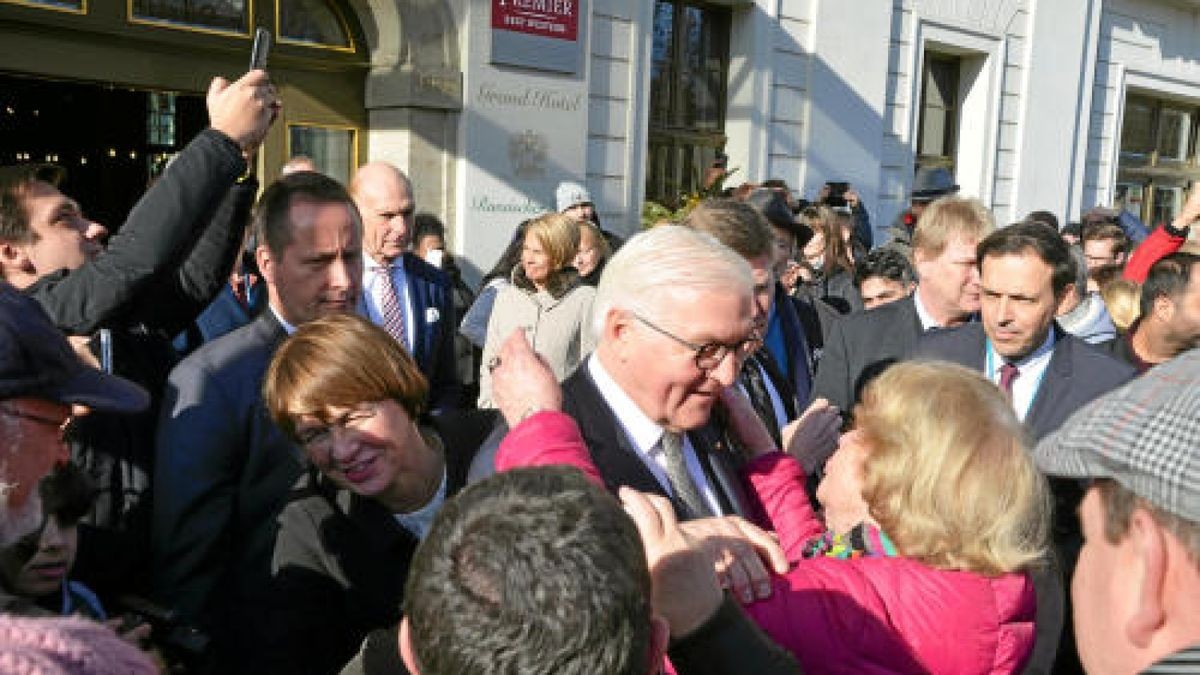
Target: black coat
{"x": 618, "y": 461}
{"x": 169, "y": 259}
{"x": 861, "y": 346}
{"x": 341, "y": 562}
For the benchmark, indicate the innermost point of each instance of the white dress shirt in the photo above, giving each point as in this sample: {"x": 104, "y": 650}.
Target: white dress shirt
{"x": 373, "y": 298}
{"x": 1030, "y": 371}
{"x": 287, "y": 327}
{"x": 646, "y": 437}
{"x": 923, "y": 315}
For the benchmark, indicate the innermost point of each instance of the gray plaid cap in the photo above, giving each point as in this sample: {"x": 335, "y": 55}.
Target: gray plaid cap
{"x": 1145, "y": 436}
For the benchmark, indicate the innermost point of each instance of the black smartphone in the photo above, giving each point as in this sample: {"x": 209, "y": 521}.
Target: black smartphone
{"x": 261, "y": 49}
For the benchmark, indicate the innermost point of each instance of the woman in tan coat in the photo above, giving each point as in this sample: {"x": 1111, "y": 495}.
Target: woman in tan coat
{"x": 546, "y": 300}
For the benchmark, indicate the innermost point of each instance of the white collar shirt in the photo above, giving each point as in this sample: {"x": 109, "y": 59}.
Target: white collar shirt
{"x": 287, "y": 327}
{"x": 372, "y": 296}
{"x": 1030, "y": 371}
{"x": 923, "y": 315}
{"x": 646, "y": 436}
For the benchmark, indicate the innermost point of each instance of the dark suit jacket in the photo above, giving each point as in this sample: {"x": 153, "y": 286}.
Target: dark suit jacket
{"x": 860, "y": 346}
{"x": 222, "y": 474}
{"x": 1077, "y": 373}
{"x": 341, "y": 562}
{"x": 619, "y": 463}
{"x": 435, "y": 327}
{"x": 793, "y": 317}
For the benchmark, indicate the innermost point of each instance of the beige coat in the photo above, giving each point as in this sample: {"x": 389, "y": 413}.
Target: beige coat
{"x": 558, "y": 328}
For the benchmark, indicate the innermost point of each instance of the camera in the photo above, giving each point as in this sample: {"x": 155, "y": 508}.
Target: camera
{"x": 184, "y": 648}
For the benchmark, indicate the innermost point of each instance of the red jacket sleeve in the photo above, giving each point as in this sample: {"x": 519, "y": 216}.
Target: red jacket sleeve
{"x": 1161, "y": 243}
{"x": 544, "y": 439}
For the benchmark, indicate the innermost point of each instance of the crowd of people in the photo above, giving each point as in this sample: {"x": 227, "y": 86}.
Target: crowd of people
{"x": 268, "y": 428}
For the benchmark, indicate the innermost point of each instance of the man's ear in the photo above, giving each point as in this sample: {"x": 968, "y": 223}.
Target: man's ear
{"x": 13, "y": 257}
{"x": 406, "y": 648}
{"x": 1149, "y": 575}
{"x": 1164, "y": 308}
{"x": 617, "y": 327}
{"x": 660, "y": 637}
{"x": 266, "y": 264}
{"x": 1063, "y": 298}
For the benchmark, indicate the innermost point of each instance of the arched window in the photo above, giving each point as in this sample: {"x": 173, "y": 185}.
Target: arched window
{"x": 311, "y": 22}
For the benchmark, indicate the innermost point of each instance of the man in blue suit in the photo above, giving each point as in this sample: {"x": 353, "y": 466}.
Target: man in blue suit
{"x": 407, "y": 296}
{"x": 223, "y": 469}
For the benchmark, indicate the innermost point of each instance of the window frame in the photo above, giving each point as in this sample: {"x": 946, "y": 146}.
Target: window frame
{"x": 670, "y": 138}
{"x": 1149, "y": 170}
{"x": 950, "y": 135}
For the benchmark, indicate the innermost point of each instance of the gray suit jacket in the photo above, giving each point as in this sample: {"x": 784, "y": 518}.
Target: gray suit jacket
{"x": 223, "y": 472}
{"x": 861, "y": 346}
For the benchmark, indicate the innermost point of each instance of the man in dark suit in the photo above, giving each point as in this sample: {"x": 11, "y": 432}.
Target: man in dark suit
{"x": 223, "y": 469}
{"x": 861, "y": 346}
{"x": 408, "y": 297}
{"x": 1026, "y": 276}
{"x": 674, "y": 315}
{"x": 778, "y": 376}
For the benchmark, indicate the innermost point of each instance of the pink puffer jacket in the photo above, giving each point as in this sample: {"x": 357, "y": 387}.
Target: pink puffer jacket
{"x": 861, "y": 616}
{"x": 884, "y": 615}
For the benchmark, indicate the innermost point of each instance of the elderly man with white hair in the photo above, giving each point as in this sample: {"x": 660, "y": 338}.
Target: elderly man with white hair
{"x": 674, "y": 319}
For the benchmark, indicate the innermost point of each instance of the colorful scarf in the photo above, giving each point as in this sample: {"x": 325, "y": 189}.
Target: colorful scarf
{"x": 862, "y": 541}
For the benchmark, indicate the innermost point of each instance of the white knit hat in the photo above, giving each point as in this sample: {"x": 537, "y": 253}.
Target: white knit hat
{"x": 570, "y": 194}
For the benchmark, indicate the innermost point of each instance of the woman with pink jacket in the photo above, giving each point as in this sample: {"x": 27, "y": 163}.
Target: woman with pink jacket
{"x": 933, "y": 515}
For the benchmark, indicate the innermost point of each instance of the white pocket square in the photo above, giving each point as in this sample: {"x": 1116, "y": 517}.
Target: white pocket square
{"x": 432, "y": 315}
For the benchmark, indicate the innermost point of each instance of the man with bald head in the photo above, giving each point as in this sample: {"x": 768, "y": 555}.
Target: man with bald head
{"x": 407, "y": 296}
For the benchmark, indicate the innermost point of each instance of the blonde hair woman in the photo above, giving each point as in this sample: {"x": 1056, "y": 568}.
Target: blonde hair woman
{"x": 545, "y": 299}
{"x": 934, "y": 517}
{"x": 934, "y": 520}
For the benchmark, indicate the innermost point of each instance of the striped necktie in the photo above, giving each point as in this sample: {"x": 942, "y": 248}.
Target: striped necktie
{"x": 389, "y": 305}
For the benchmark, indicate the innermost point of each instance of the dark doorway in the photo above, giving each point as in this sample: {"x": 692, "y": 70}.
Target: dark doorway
{"x": 111, "y": 140}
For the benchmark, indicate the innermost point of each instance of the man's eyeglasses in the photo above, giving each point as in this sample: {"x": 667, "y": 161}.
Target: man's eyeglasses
{"x": 710, "y": 355}
{"x": 67, "y": 428}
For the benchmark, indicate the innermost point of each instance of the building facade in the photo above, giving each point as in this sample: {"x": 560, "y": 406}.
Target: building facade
{"x": 1034, "y": 104}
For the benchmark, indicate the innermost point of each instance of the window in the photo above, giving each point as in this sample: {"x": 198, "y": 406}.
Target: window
{"x": 1158, "y": 157}
{"x": 73, "y": 6}
{"x": 937, "y": 130}
{"x": 311, "y": 22}
{"x": 689, "y": 69}
{"x": 332, "y": 149}
{"x": 221, "y": 15}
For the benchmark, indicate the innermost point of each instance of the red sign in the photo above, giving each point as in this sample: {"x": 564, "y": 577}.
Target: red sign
{"x": 557, "y": 19}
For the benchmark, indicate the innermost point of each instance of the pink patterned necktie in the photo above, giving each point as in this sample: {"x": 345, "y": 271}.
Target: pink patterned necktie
{"x": 389, "y": 305}
{"x": 1008, "y": 373}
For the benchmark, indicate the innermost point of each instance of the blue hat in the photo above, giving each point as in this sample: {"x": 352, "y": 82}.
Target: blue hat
{"x": 931, "y": 183}
{"x": 36, "y": 361}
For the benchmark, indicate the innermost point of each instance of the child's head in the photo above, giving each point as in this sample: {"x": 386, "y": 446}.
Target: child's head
{"x": 36, "y": 565}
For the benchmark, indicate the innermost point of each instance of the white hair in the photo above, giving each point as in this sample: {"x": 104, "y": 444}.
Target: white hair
{"x": 653, "y": 264}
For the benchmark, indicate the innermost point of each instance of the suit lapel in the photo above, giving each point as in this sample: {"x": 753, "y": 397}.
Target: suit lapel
{"x": 1054, "y": 389}
{"x": 614, "y": 455}
{"x": 418, "y": 293}
{"x": 717, "y": 459}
